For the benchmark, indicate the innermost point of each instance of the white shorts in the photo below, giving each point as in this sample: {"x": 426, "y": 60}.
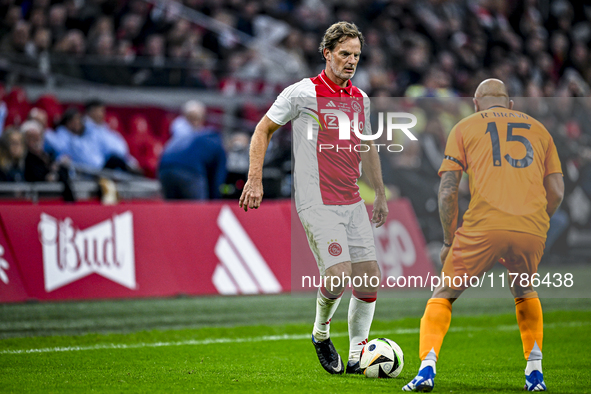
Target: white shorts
{"x": 338, "y": 233}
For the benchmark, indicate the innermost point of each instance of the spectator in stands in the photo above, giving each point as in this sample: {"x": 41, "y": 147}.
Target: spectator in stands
{"x": 114, "y": 144}
{"x": 39, "y": 115}
{"x": 12, "y": 16}
{"x": 130, "y": 28}
{"x": 37, "y": 18}
{"x": 70, "y": 50}
{"x": 155, "y": 73}
{"x": 102, "y": 27}
{"x": 404, "y": 39}
{"x": 193, "y": 166}
{"x": 38, "y": 48}
{"x": 87, "y": 150}
{"x": 39, "y": 165}
{"x": 3, "y": 115}
{"x": 16, "y": 42}
{"x": 57, "y": 21}
{"x": 192, "y": 120}
{"x": 12, "y": 158}
{"x": 436, "y": 83}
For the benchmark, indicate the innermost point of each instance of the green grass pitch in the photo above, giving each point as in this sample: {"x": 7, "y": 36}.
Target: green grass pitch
{"x": 261, "y": 344}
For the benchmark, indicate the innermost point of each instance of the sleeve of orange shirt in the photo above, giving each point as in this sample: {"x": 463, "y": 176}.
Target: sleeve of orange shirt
{"x": 455, "y": 157}
{"x": 552, "y": 162}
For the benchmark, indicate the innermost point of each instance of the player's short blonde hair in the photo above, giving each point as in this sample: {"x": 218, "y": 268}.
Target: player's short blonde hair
{"x": 337, "y": 33}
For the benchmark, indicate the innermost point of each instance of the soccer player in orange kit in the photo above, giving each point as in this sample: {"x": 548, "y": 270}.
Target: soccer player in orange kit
{"x": 516, "y": 185}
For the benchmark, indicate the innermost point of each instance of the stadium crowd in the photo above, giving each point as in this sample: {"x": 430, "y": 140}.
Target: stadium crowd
{"x": 414, "y": 49}
{"x": 425, "y": 47}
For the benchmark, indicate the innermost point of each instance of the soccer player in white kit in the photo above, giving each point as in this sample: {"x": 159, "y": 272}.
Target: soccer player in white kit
{"x": 326, "y": 192}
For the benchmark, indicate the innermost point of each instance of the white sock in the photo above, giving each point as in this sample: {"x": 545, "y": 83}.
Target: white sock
{"x": 325, "y": 309}
{"x": 428, "y": 363}
{"x": 360, "y": 318}
{"x": 535, "y": 365}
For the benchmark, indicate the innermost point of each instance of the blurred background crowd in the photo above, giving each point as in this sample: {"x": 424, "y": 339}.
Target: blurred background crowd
{"x": 193, "y": 77}
{"x": 413, "y": 47}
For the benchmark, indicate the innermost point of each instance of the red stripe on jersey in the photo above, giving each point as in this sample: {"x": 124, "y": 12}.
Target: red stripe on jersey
{"x": 338, "y": 170}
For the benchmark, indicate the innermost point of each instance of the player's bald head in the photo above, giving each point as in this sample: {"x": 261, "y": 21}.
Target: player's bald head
{"x": 491, "y": 92}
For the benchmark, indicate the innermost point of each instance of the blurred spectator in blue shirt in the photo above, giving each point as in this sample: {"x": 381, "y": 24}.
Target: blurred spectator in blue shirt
{"x": 192, "y": 120}
{"x": 114, "y": 144}
{"x": 86, "y": 148}
{"x": 3, "y": 114}
{"x": 193, "y": 166}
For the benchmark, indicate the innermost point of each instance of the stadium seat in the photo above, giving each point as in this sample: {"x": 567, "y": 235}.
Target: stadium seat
{"x": 17, "y": 96}
{"x": 231, "y": 86}
{"x": 251, "y": 112}
{"x": 149, "y": 161}
{"x": 138, "y": 124}
{"x": 143, "y": 145}
{"x": 147, "y": 150}
{"x": 166, "y": 121}
{"x": 18, "y": 106}
{"x": 157, "y": 120}
{"x": 114, "y": 122}
{"x": 52, "y": 107}
{"x": 14, "y": 117}
{"x": 215, "y": 116}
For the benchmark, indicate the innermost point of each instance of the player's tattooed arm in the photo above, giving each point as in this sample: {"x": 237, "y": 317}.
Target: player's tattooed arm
{"x": 448, "y": 203}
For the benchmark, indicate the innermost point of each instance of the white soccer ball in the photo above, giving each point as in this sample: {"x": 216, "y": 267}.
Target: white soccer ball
{"x": 381, "y": 358}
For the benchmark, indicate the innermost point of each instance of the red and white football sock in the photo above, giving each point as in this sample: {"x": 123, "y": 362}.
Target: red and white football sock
{"x": 361, "y": 309}
{"x": 326, "y": 305}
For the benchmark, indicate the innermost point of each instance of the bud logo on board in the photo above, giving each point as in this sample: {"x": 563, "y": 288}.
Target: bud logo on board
{"x": 70, "y": 254}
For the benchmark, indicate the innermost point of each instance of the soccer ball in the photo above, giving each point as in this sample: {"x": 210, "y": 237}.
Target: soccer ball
{"x": 381, "y": 358}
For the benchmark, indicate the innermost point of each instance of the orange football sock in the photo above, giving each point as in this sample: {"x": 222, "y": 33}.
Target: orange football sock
{"x": 531, "y": 325}
{"x": 434, "y": 326}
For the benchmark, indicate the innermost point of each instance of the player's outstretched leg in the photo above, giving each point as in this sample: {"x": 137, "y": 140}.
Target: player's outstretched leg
{"x": 326, "y": 305}
{"x": 434, "y": 326}
{"x": 530, "y": 321}
{"x": 361, "y": 310}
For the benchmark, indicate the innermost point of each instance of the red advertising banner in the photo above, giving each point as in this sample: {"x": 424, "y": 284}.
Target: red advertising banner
{"x": 58, "y": 252}
{"x": 11, "y": 286}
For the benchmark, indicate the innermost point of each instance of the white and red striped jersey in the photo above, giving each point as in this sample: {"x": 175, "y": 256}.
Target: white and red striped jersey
{"x": 323, "y": 176}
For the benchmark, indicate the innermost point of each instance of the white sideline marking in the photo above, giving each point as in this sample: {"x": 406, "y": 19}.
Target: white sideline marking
{"x": 285, "y": 337}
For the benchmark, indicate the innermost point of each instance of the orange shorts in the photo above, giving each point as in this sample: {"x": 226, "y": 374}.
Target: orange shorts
{"x": 476, "y": 252}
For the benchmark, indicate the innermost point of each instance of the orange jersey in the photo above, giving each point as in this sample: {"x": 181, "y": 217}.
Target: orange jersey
{"x": 506, "y": 154}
